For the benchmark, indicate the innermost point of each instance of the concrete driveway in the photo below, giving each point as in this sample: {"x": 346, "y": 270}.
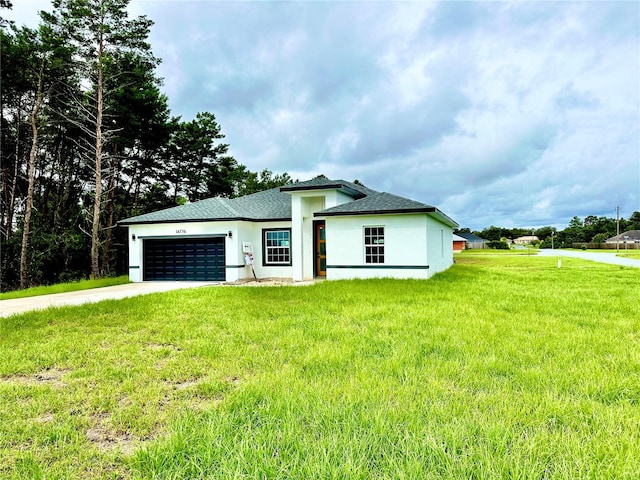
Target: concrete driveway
{"x": 21, "y": 305}
{"x": 610, "y": 258}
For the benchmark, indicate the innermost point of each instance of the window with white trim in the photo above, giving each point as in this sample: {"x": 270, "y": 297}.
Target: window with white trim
{"x": 277, "y": 247}
{"x": 373, "y": 244}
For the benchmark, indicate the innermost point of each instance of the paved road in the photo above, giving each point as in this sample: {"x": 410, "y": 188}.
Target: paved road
{"x": 610, "y": 258}
{"x": 21, "y": 305}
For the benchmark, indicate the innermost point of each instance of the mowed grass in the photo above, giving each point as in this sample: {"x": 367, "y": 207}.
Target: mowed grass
{"x": 502, "y": 367}
{"x": 64, "y": 287}
{"x": 495, "y": 251}
{"x": 634, "y": 254}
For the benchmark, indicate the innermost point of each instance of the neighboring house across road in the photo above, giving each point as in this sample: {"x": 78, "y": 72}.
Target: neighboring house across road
{"x": 318, "y": 228}
{"x": 459, "y": 243}
{"x": 630, "y": 237}
{"x": 473, "y": 241}
{"x": 526, "y": 240}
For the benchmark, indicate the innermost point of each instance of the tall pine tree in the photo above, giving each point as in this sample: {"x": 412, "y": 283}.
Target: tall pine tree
{"x": 99, "y": 30}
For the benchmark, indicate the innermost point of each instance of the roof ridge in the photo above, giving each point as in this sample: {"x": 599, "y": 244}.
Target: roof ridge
{"x": 361, "y": 188}
{"x": 226, "y": 203}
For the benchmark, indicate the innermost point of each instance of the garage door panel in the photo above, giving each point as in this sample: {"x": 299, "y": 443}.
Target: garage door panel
{"x": 184, "y": 259}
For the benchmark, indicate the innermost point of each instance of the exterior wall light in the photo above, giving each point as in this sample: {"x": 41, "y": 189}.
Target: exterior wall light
{"x": 133, "y": 237}
{"x": 230, "y": 234}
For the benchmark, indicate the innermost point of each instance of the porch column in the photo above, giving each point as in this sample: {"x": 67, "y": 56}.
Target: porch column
{"x": 296, "y": 238}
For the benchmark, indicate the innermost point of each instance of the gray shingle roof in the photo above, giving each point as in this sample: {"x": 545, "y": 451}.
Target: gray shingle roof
{"x": 275, "y": 204}
{"x": 322, "y": 183}
{"x": 262, "y": 206}
{"x": 471, "y": 237}
{"x": 376, "y": 203}
{"x": 634, "y": 236}
{"x": 383, "y": 203}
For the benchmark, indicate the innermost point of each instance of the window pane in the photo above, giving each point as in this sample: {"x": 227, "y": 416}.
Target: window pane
{"x": 277, "y": 247}
{"x": 374, "y": 244}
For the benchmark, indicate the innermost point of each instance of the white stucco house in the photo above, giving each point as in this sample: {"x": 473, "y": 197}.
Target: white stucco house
{"x": 317, "y": 228}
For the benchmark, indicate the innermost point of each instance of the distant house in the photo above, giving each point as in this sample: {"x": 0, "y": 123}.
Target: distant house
{"x": 459, "y": 243}
{"x": 526, "y": 240}
{"x": 630, "y": 236}
{"x": 332, "y": 229}
{"x": 473, "y": 241}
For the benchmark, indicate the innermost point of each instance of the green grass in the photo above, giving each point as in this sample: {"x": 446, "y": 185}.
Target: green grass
{"x": 495, "y": 251}
{"x": 534, "y": 251}
{"x": 503, "y": 367}
{"x": 64, "y": 287}
{"x": 630, "y": 254}
{"x": 620, "y": 252}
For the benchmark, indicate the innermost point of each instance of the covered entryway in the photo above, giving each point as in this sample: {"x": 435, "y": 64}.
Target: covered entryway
{"x": 199, "y": 259}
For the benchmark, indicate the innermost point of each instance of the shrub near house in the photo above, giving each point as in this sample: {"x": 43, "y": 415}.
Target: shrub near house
{"x": 498, "y": 245}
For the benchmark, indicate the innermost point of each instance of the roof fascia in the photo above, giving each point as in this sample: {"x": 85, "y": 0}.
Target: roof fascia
{"x": 444, "y": 218}
{"x": 201, "y": 220}
{"x": 371, "y": 212}
{"x": 430, "y": 210}
{"x": 334, "y": 186}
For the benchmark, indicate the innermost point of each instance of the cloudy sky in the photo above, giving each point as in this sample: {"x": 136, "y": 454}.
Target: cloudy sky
{"x": 516, "y": 114}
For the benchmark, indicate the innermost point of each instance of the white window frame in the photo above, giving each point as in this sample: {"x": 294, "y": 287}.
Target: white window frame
{"x": 269, "y": 251}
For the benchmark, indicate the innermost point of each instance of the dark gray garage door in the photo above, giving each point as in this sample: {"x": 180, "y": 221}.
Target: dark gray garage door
{"x": 184, "y": 259}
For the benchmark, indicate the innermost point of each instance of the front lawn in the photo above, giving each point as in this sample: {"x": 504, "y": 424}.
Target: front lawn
{"x": 64, "y": 287}
{"x": 502, "y": 367}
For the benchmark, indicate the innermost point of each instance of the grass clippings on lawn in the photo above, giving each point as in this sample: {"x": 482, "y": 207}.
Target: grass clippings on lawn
{"x": 502, "y": 367}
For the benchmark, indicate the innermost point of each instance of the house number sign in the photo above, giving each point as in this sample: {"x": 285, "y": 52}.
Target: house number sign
{"x": 181, "y": 230}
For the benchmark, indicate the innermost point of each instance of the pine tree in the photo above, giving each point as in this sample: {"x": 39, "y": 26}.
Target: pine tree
{"x": 99, "y": 30}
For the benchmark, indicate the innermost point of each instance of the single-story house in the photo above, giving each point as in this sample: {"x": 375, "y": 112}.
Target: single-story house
{"x": 526, "y": 240}
{"x": 630, "y": 236}
{"x": 473, "y": 241}
{"x": 317, "y": 228}
{"x": 459, "y": 243}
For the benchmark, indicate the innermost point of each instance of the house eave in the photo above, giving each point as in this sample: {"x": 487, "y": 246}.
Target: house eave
{"x": 445, "y": 218}
{"x": 370, "y": 212}
{"x": 334, "y": 186}
{"x": 201, "y": 220}
{"x": 430, "y": 210}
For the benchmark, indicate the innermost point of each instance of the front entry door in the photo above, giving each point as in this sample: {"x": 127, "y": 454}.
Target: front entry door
{"x": 321, "y": 249}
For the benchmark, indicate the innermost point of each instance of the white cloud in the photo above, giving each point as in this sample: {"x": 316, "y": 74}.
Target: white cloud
{"x": 510, "y": 113}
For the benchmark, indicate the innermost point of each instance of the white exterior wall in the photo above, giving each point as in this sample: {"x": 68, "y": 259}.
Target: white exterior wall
{"x": 405, "y": 239}
{"x": 303, "y": 205}
{"x": 254, "y": 235}
{"x": 234, "y": 258}
{"x": 439, "y": 246}
{"x": 412, "y": 242}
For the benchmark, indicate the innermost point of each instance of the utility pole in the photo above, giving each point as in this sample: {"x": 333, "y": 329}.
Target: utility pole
{"x": 617, "y": 229}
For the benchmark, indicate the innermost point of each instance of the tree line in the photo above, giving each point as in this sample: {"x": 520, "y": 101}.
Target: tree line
{"x": 592, "y": 229}
{"x": 87, "y": 139}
